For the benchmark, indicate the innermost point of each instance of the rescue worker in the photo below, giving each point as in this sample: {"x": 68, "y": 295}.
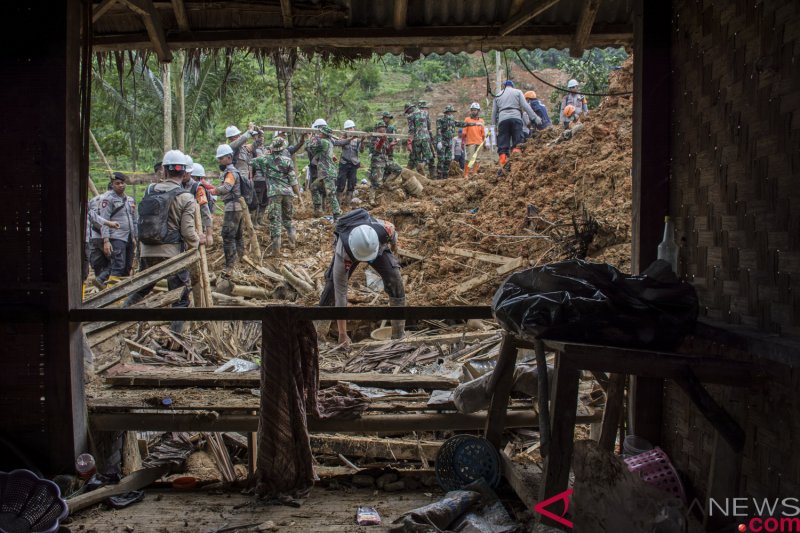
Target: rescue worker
{"x": 419, "y": 140}
{"x": 201, "y": 196}
{"x": 259, "y": 179}
{"x": 119, "y": 244}
{"x": 349, "y": 164}
{"x": 360, "y": 238}
{"x": 445, "y": 133}
{"x": 507, "y": 112}
{"x": 289, "y": 151}
{"x": 381, "y": 166}
{"x": 570, "y": 115}
{"x": 318, "y": 198}
{"x": 282, "y": 187}
{"x": 95, "y": 258}
{"x": 242, "y": 152}
{"x": 167, "y": 228}
{"x": 577, "y": 101}
{"x": 230, "y": 190}
{"x": 321, "y": 148}
{"x": 473, "y": 137}
{"x": 423, "y": 107}
{"x": 540, "y": 110}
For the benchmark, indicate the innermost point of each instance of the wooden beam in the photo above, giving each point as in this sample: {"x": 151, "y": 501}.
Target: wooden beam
{"x": 489, "y": 258}
{"x": 286, "y": 13}
{"x": 101, "y": 9}
{"x": 142, "y": 279}
{"x": 530, "y": 10}
{"x": 180, "y": 15}
{"x": 375, "y": 447}
{"x": 137, "y": 480}
{"x": 400, "y": 14}
{"x": 500, "y": 387}
{"x": 213, "y": 421}
{"x": 585, "y": 23}
{"x": 252, "y": 380}
{"x": 468, "y": 38}
{"x": 524, "y": 478}
{"x": 612, "y": 413}
{"x": 435, "y": 339}
{"x": 152, "y": 23}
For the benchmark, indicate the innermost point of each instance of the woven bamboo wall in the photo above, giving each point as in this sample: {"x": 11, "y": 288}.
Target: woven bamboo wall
{"x": 735, "y": 197}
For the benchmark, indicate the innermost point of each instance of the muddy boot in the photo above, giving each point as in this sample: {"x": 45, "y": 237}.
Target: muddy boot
{"x": 317, "y": 211}
{"x": 133, "y": 299}
{"x": 398, "y": 326}
{"x": 292, "y": 237}
{"x": 275, "y": 247}
{"x": 258, "y": 217}
{"x": 348, "y": 199}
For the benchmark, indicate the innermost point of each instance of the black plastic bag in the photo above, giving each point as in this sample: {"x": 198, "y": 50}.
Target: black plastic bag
{"x": 595, "y": 303}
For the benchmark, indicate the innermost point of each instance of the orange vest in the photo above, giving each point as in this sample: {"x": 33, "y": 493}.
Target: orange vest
{"x": 473, "y": 135}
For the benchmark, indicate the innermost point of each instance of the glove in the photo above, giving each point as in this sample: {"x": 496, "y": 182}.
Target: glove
{"x": 439, "y": 145}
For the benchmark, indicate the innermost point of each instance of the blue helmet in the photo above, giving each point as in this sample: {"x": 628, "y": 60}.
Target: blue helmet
{"x": 508, "y": 83}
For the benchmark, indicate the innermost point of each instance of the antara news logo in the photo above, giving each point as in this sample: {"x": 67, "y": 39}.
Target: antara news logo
{"x": 770, "y": 515}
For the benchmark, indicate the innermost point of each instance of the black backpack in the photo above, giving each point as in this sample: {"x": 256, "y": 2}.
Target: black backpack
{"x": 154, "y": 217}
{"x": 354, "y": 218}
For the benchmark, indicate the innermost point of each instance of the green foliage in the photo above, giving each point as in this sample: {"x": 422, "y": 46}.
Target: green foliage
{"x": 369, "y": 78}
{"x": 592, "y": 70}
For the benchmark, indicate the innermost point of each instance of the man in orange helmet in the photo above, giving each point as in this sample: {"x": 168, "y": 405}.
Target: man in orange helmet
{"x": 540, "y": 110}
{"x": 569, "y": 116}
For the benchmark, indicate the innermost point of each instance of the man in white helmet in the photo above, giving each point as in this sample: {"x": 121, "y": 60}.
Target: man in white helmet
{"x": 348, "y": 164}
{"x": 242, "y": 152}
{"x": 361, "y": 238}
{"x": 473, "y": 137}
{"x": 201, "y": 196}
{"x": 167, "y": 228}
{"x": 230, "y": 190}
{"x": 578, "y": 101}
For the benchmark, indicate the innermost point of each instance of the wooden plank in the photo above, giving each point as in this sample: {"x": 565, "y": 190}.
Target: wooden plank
{"x": 93, "y": 329}
{"x": 400, "y": 14}
{"x": 408, "y": 423}
{"x": 563, "y": 402}
{"x": 152, "y": 23}
{"x": 435, "y": 339}
{"x": 180, "y": 15}
{"x": 615, "y": 398}
{"x": 264, "y": 270}
{"x": 585, "y": 23}
{"x": 142, "y": 279}
{"x": 353, "y": 133}
{"x": 543, "y": 397}
{"x": 286, "y": 13}
{"x": 252, "y": 380}
{"x": 374, "y": 447}
{"x": 485, "y": 278}
{"x": 101, "y": 9}
{"x": 524, "y": 478}
{"x": 135, "y": 481}
{"x": 500, "y": 387}
{"x": 529, "y": 10}
{"x": 660, "y": 365}
{"x": 489, "y": 258}
{"x": 402, "y": 252}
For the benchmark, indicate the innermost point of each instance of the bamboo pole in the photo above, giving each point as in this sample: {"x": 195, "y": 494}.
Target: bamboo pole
{"x": 338, "y": 132}
{"x": 255, "y": 248}
{"x": 205, "y": 279}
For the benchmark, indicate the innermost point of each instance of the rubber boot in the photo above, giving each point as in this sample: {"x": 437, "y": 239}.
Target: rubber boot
{"x": 292, "y": 237}
{"x": 503, "y": 159}
{"x": 348, "y": 198}
{"x": 257, "y": 221}
{"x": 317, "y": 211}
{"x": 398, "y": 326}
{"x": 275, "y": 247}
{"x": 112, "y": 280}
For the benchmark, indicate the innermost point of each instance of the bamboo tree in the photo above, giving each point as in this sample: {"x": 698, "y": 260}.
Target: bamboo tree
{"x": 180, "y": 100}
{"x": 167, "y": 103}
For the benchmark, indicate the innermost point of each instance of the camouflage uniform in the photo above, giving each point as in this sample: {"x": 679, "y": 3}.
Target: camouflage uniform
{"x": 445, "y": 133}
{"x": 281, "y": 178}
{"x": 259, "y": 182}
{"x": 423, "y": 108}
{"x": 421, "y": 153}
{"x": 321, "y": 149}
{"x": 381, "y": 164}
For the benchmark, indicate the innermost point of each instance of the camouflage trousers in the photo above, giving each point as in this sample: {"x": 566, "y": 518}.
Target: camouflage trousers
{"x": 325, "y": 184}
{"x": 280, "y": 212}
{"x": 380, "y": 167}
{"x": 421, "y": 153}
{"x": 445, "y": 155}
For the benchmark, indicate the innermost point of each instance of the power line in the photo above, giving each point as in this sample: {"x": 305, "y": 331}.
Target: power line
{"x": 562, "y": 89}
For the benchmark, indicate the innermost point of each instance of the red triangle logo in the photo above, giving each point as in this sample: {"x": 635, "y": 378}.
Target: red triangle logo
{"x": 540, "y": 508}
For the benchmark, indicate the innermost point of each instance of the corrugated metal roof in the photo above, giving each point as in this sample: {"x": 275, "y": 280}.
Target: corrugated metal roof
{"x": 429, "y": 26}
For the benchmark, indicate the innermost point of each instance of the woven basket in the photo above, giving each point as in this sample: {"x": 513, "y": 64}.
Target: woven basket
{"x": 29, "y": 504}
{"x": 655, "y": 468}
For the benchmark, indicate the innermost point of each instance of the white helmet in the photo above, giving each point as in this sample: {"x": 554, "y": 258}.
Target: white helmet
{"x": 475, "y": 105}
{"x": 189, "y": 164}
{"x": 363, "y": 242}
{"x": 198, "y": 170}
{"x": 572, "y": 83}
{"x": 319, "y": 122}
{"x": 173, "y": 157}
{"x": 223, "y": 150}
{"x": 231, "y": 131}
{"x": 349, "y": 124}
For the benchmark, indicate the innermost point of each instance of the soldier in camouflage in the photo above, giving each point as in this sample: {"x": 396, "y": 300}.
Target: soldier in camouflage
{"x": 320, "y": 148}
{"x": 257, "y": 149}
{"x": 381, "y": 165}
{"x": 445, "y": 133}
{"x": 387, "y": 119}
{"x": 282, "y": 187}
{"x": 422, "y": 105}
{"x": 419, "y": 139}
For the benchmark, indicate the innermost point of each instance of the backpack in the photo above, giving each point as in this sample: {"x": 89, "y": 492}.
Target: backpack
{"x": 154, "y": 216}
{"x": 248, "y": 192}
{"x": 351, "y": 220}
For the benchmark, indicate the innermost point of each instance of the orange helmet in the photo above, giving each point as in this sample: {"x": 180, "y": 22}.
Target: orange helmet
{"x": 569, "y": 111}
{"x": 530, "y": 95}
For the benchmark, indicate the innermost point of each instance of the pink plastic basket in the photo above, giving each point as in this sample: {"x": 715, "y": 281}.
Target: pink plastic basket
{"x": 655, "y": 468}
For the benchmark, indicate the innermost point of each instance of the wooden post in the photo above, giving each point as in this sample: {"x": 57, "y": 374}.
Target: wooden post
{"x": 651, "y": 143}
{"x": 543, "y": 398}
{"x": 564, "y": 402}
{"x": 500, "y": 386}
{"x": 615, "y": 397}
{"x": 203, "y": 287}
{"x": 255, "y": 248}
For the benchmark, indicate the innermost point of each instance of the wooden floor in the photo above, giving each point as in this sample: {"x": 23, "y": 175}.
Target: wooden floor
{"x": 325, "y": 511}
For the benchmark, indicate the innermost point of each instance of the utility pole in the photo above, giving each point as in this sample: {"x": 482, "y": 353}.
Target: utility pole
{"x": 498, "y": 71}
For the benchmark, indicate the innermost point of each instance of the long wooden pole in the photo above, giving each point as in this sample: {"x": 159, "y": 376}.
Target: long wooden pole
{"x": 248, "y": 226}
{"x": 338, "y": 132}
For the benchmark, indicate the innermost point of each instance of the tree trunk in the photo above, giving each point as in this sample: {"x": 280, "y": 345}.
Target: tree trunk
{"x": 180, "y": 100}
{"x": 285, "y": 60}
{"x": 165, "y": 84}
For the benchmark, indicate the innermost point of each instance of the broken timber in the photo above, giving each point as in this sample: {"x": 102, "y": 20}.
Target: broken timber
{"x": 434, "y": 339}
{"x": 374, "y": 447}
{"x": 502, "y": 270}
{"x": 489, "y": 258}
